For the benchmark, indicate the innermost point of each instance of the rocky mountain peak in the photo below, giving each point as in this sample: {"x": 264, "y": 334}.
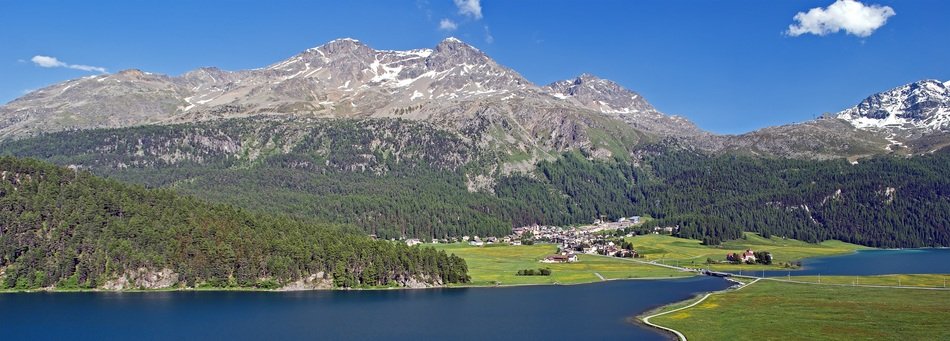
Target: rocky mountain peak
{"x": 453, "y": 43}
{"x": 608, "y": 97}
{"x": 204, "y": 73}
{"x": 586, "y": 77}
{"x": 342, "y": 46}
{"x": 600, "y": 94}
{"x": 132, "y": 73}
{"x": 453, "y": 85}
{"x": 452, "y": 50}
{"x": 922, "y": 106}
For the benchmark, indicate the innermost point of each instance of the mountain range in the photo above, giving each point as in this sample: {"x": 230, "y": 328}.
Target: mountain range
{"x": 458, "y": 88}
{"x": 443, "y": 142}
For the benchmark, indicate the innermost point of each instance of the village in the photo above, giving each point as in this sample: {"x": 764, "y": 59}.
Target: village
{"x": 600, "y": 238}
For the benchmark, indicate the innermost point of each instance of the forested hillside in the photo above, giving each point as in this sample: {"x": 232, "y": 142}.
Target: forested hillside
{"x": 401, "y": 179}
{"x": 393, "y": 178}
{"x": 883, "y": 201}
{"x": 67, "y": 229}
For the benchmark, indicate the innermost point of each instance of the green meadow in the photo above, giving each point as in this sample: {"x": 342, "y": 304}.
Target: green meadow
{"x": 691, "y": 253}
{"x": 772, "y": 310}
{"x": 928, "y": 280}
{"x": 499, "y": 265}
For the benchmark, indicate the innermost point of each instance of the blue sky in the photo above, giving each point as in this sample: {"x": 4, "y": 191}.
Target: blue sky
{"x": 730, "y": 66}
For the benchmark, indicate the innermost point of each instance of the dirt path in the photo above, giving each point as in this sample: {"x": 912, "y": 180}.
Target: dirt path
{"x": 679, "y": 335}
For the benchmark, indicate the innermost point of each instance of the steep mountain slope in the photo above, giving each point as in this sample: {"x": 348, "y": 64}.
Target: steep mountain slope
{"x": 914, "y": 117}
{"x": 454, "y": 86}
{"x": 60, "y": 228}
{"x": 402, "y": 178}
{"x": 608, "y": 97}
{"x": 394, "y": 178}
{"x": 443, "y": 142}
{"x": 126, "y": 98}
{"x": 457, "y": 88}
{"x": 822, "y": 139}
{"x": 910, "y": 119}
{"x": 908, "y": 111}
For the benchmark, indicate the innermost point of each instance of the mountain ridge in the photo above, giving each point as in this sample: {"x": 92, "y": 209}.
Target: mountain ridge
{"x": 459, "y": 88}
{"x": 454, "y": 86}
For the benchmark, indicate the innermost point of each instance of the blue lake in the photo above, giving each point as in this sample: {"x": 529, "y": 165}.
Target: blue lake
{"x": 596, "y": 311}
{"x": 873, "y": 262}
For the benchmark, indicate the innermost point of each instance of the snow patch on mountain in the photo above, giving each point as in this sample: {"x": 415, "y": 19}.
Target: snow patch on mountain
{"x": 919, "y": 107}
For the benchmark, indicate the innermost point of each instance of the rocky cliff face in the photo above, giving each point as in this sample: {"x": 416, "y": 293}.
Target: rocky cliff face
{"x": 143, "y": 278}
{"x": 317, "y": 281}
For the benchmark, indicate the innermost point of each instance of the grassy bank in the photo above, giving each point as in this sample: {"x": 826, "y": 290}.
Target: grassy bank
{"x": 499, "y": 264}
{"x": 691, "y": 253}
{"x": 770, "y": 310}
{"x": 929, "y": 281}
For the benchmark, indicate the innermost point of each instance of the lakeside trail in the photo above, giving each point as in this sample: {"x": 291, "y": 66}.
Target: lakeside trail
{"x": 646, "y": 320}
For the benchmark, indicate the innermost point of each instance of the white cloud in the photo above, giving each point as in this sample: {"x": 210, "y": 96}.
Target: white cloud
{"x": 471, "y": 8}
{"x": 849, "y": 15}
{"x": 52, "y": 62}
{"x": 447, "y": 25}
{"x": 44, "y": 61}
{"x": 488, "y": 37}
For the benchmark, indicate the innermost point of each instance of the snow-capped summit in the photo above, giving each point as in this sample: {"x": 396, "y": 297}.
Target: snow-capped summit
{"x": 916, "y": 108}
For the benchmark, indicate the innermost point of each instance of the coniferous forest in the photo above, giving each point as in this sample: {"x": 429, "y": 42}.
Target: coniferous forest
{"x": 399, "y": 179}
{"x": 73, "y": 230}
{"x": 882, "y": 202}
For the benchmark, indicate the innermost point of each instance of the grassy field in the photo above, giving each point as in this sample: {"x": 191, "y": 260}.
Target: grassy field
{"x": 691, "y": 253}
{"x": 769, "y": 310}
{"x": 499, "y": 264}
{"x": 931, "y": 281}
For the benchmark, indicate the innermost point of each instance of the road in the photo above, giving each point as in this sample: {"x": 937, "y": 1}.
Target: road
{"x": 654, "y": 263}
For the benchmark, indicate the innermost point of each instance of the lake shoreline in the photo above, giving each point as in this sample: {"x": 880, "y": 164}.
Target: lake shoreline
{"x": 371, "y": 314}
{"x": 160, "y": 290}
{"x": 640, "y": 319}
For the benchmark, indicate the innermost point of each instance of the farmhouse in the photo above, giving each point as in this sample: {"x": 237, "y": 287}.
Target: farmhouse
{"x": 568, "y": 258}
{"x": 747, "y": 257}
